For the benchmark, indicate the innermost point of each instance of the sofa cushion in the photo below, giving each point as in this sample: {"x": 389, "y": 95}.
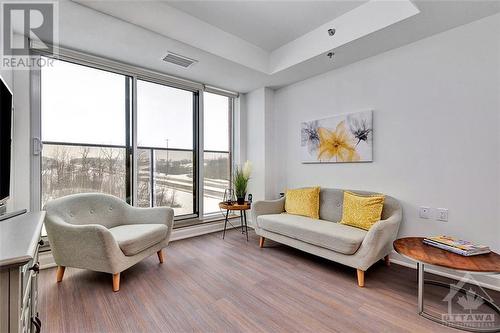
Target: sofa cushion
{"x": 303, "y": 201}
{"x": 333, "y": 236}
{"x": 134, "y": 238}
{"x": 362, "y": 211}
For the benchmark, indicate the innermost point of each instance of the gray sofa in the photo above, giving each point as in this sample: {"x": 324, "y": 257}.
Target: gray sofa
{"x": 103, "y": 233}
{"x": 326, "y": 237}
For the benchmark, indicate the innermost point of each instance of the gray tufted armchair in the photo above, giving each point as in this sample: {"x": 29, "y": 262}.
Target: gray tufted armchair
{"x": 103, "y": 233}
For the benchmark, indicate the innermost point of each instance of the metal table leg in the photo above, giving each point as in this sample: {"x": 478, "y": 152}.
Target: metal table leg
{"x": 246, "y": 226}
{"x": 225, "y": 224}
{"x": 421, "y": 311}
{"x": 420, "y": 287}
{"x": 241, "y": 221}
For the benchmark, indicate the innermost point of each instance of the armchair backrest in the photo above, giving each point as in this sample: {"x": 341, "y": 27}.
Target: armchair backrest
{"x": 88, "y": 208}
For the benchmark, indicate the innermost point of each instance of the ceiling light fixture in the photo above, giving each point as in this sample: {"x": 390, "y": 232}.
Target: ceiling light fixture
{"x": 331, "y": 31}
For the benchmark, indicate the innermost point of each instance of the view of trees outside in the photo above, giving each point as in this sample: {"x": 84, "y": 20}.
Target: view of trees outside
{"x": 68, "y": 169}
{"x": 216, "y": 172}
{"x": 78, "y": 169}
{"x": 173, "y": 179}
{"x": 144, "y": 178}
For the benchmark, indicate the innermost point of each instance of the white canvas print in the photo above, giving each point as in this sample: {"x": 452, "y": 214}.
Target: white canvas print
{"x": 338, "y": 139}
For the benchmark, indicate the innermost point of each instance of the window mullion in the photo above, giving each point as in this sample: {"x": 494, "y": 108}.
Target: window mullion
{"x": 135, "y": 152}
{"x": 199, "y": 151}
{"x": 129, "y": 182}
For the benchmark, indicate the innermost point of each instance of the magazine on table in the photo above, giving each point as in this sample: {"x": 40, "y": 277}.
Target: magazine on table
{"x": 455, "y": 245}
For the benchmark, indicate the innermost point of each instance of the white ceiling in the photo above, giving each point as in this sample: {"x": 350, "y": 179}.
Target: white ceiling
{"x": 266, "y": 24}
{"x": 159, "y": 17}
{"x": 141, "y": 32}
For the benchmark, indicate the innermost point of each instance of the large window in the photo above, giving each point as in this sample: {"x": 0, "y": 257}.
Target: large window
{"x": 217, "y": 144}
{"x": 83, "y": 127}
{"x": 165, "y": 141}
{"x": 97, "y": 138}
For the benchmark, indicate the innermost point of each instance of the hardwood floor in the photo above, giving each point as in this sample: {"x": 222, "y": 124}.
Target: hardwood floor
{"x": 214, "y": 285}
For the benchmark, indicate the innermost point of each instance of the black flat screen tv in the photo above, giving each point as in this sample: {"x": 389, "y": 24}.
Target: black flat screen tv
{"x": 5, "y": 140}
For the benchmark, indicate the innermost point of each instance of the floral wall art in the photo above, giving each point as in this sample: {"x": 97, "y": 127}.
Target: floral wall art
{"x": 342, "y": 138}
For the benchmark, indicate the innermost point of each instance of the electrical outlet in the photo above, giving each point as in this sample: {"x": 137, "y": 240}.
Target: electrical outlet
{"x": 424, "y": 212}
{"x": 442, "y": 214}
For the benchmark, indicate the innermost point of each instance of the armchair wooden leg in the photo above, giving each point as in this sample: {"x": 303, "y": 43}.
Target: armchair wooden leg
{"x": 361, "y": 278}
{"x": 160, "y": 256}
{"x": 116, "y": 282}
{"x": 261, "y": 241}
{"x": 60, "y": 273}
{"x": 386, "y": 260}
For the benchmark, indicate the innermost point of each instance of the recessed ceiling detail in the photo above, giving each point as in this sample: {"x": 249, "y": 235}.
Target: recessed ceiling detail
{"x": 246, "y": 42}
{"x": 140, "y": 32}
{"x": 359, "y": 22}
{"x": 267, "y": 24}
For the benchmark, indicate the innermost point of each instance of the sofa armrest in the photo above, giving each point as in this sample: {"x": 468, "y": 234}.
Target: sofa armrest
{"x": 89, "y": 246}
{"x": 378, "y": 241}
{"x": 265, "y": 207}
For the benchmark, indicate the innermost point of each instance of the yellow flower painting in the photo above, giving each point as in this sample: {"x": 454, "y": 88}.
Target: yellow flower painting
{"x": 338, "y": 144}
{"x": 344, "y": 138}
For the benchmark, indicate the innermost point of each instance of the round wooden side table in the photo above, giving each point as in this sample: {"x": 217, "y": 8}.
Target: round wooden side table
{"x": 234, "y": 206}
{"x": 414, "y": 249}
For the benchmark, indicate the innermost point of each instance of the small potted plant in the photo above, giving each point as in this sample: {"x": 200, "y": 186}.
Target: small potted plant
{"x": 240, "y": 182}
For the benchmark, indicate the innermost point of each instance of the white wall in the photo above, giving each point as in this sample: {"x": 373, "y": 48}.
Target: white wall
{"x": 21, "y": 141}
{"x": 259, "y": 147}
{"x": 256, "y": 142}
{"x": 436, "y": 109}
{"x": 21, "y": 149}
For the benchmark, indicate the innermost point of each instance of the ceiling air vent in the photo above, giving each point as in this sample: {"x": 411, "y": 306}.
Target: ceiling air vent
{"x": 179, "y": 60}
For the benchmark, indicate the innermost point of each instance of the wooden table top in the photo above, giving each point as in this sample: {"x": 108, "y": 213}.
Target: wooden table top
{"x": 415, "y": 249}
{"x": 234, "y": 206}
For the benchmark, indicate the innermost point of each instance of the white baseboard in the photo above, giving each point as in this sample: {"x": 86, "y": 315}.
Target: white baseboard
{"x": 198, "y": 230}
{"x": 487, "y": 281}
{"x": 47, "y": 260}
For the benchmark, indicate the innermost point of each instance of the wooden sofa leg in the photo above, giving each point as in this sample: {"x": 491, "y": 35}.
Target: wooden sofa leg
{"x": 60, "y": 273}
{"x": 116, "y": 282}
{"x": 261, "y": 241}
{"x": 361, "y": 278}
{"x": 387, "y": 261}
{"x": 160, "y": 256}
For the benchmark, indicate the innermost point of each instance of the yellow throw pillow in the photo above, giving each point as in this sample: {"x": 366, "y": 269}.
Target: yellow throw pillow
{"x": 362, "y": 211}
{"x": 303, "y": 201}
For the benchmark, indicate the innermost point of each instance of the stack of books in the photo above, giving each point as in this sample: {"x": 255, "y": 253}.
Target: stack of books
{"x": 458, "y": 246}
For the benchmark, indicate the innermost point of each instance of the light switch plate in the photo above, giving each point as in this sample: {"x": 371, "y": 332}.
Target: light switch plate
{"x": 424, "y": 212}
{"x": 442, "y": 214}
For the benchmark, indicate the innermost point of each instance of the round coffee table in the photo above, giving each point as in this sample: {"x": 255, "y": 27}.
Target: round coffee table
{"x": 414, "y": 249}
{"x": 234, "y": 206}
